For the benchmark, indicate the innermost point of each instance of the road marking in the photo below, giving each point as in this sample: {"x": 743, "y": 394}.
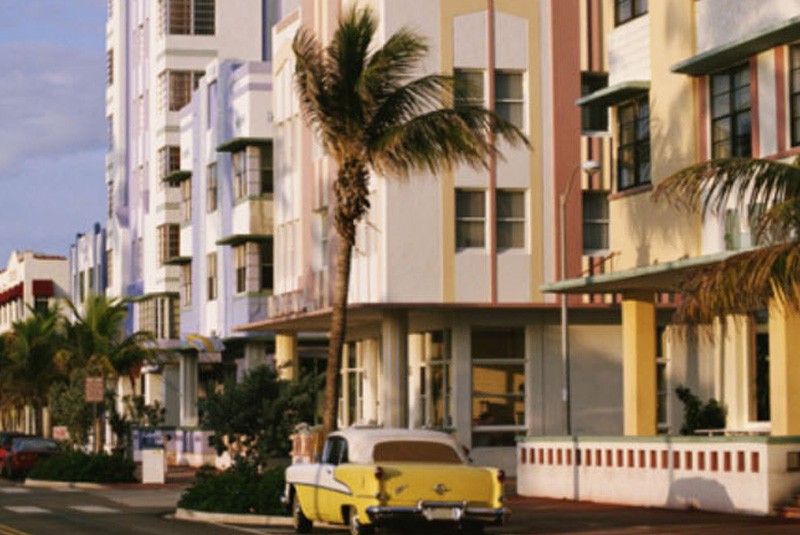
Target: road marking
{"x": 8, "y": 530}
{"x": 95, "y": 509}
{"x": 26, "y": 509}
{"x": 14, "y": 490}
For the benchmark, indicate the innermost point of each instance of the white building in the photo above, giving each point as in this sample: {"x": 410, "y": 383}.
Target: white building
{"x": 31, "y": 281}
{"x": 87, "y": 266}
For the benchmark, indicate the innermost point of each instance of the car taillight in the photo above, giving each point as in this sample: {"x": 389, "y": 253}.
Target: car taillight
{"x": 378, "y": 473}
{"x": 501, "y": 476}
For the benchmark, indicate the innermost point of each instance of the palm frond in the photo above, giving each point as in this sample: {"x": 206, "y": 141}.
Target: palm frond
{"x": 779, "y": 224}
{"x": 747, "y": 181}
{"x": 389, "y": 66}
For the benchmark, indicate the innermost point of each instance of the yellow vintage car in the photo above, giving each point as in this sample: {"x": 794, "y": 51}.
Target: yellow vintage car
{"x": 371, "y": 477}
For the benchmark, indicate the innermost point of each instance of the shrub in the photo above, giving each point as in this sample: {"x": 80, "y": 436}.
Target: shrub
{"x": 239, "y": 490}
{"x": 85, "y": 467}
{"x": 699, "y": 415}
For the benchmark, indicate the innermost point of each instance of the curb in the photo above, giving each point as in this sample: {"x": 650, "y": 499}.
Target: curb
{"x": 45, "y": 484}
{"x": 226, "y": 518}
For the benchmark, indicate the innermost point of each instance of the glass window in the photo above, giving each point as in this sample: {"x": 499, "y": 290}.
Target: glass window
{"x": 109, "y": 268}
{"x": 187, "y": 17}
{"x": 470, "y": 219}
{"x": 186, "y": 285}
{"x": 593, "y": 118}
{"x": 186, "y": 200}
{"x": 469, "y": 87}
{"x": 436, "y": 389}
{"x": 794, "y": 93}
{"x": 265, "y": 169}
{"x": 169, "y": 241}
{"x": 416, "y": 451}
{"x": 240, "y": 267}
{"x": 498, "y": 385}
{"x": 265, "y": 264}
{"x": 335, "y": 451}
{"x": 625, "y": 10}
{"x": 175, "y": 88}
{"x": 321, "y": 242}
{"x": 110, "y": 67}
{"x": 595, "y": 221}
{"x": 351, "y": 397}
{"x": 633, "y": 152}
{"x": 509, "y": 99}
{"x": 212, "y": 188}
{"x": 510, "y": 219}
{"x": 40, "y": 303}
{"x": 730, "y": 113}
{"x": 239, "y": 175}
{"x": 169, "y": 160}
{"x": 211, "y": 279}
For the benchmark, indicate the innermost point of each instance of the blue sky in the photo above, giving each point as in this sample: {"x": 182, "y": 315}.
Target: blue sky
{"x": 52, "y": 126}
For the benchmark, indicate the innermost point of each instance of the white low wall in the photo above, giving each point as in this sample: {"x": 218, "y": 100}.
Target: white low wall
{"x": 726, "y": 474}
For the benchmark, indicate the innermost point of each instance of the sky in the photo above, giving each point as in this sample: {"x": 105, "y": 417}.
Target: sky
{"x": 52, "y": 123}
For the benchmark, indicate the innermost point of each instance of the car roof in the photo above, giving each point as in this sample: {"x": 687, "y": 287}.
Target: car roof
{"x": 361, "y": 441}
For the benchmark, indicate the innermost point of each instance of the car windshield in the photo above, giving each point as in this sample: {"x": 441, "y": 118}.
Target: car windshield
{"x": 31, "y": 444}
{"x": 416, "y": 451}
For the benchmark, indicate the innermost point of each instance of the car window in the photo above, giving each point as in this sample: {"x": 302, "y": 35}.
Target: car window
{"x": 40, "y": 444}
{"x": 417, "y": 451}
{"x": 335, "y": 451}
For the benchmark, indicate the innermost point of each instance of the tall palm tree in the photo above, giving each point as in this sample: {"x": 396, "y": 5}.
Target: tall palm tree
{"x": 372, "y": 116}
{"x": 31, "y": 359}
{"x": 770, "y": 192}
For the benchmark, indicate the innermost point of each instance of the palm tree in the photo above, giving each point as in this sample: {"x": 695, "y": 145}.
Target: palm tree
{"x": 745, "y": 282}
{"x": 371, "y": 116}
{"x": 31, "y": 359}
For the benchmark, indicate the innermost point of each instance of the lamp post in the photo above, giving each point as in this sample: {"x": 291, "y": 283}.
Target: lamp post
{"x": 589, "y": 167}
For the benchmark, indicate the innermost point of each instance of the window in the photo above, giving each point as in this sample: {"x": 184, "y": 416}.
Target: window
{"x": 414, "y": 451}
{"x": 90, "y": 281}
{"x": 662, "y": 385}
{"x": 335, "y": 451}
{"x": 187, "y": 17}
{"x": 159, "y": 316}
{"x": 110, "y": 67}
{"x": 240, "y": 267}
{"x": 508, "y": 98}
{"x": 470, "y": 219}
{"x": 633, "y": 153}
{"x": 625, "y": 10}
{"x": 186, "y": 200}
{"x": 595, "y": 221}
{"x": 169, "y": 241}
{"x": 212, "y": 191}
{"x": 186, "y": 285}
{"x": 265, "y": 269}
{"x": 759, "y": 370}
{"x": 469, "y": 88}
{"x": 593, "y": 118}
{"x": 239, "y": 175}
{"x": 139, "y": 259}
{"x": 794, "y": 90}
{"x": 110, "y": 133}
{"x": 211, "y": 279}
{"x": 82, "y": 286}
{"x": 169, "y": 160}
{"x": 109, "y": 267}
{"x": 321, "y": 231}
{"x": 40, "y": 303}
{"x": 175, "y": 88}
{"x": 510, "y": 219}
{"x": 351, "y": 400}
{"x": 265, "y": 169}
{"x": 435, "y": 388}
{"x": 730, "y": 113}
{"x": 110, "y": 200}
{"x": 498, "y": 385}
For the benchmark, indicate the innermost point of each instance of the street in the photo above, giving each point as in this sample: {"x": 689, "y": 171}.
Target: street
{"x": 135, "y": 511}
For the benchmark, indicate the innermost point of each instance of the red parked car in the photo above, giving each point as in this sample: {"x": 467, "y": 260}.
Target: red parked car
{"x": 6, "y": 438}
{"x": 26, "y": 452}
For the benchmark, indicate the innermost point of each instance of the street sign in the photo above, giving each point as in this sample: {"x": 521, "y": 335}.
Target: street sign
{"x": 94, "y": 389}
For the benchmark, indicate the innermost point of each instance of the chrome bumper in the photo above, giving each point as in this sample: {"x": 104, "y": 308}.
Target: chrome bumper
{"x": 461, "y": 511}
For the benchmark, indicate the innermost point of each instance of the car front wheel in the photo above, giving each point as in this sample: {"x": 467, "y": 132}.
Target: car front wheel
{"x": 300, "y": 521}
{"x": 356, "y": 527}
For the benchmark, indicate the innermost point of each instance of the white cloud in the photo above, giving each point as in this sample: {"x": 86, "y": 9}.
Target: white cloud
{"x": 52, "y": 101}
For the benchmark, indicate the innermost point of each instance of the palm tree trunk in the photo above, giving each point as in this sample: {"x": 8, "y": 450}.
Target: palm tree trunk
{"x": 338, "y": 324}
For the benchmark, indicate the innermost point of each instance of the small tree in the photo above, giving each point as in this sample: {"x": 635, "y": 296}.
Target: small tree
{"x": 253, "y": 419}
{"x": 69, "y": 407}
{"x": 699, "y": 415}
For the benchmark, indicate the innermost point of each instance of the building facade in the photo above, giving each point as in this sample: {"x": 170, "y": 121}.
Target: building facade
{"x": 87, "y": 266}
{"x": 31, "y": 281}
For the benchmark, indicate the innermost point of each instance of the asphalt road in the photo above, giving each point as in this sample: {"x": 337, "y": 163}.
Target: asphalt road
{"x": 134, "y": 511}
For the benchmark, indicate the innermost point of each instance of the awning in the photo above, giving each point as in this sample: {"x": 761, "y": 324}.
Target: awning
{"x": 178, "y": 260}
{"x": 609, "y": 96}
{"x": 665, "y": 277}
{"x": 238, "y": 143}
{"x": 176, "y": 177}
{"x": 238, "y": 239}
{"x": 43, "y": 288}
{"x": 203, "y": 344}
{"x": 739, "y": 50}
{"x": 15, "y": 292}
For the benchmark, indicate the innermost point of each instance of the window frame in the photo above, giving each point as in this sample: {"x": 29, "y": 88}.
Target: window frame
{"x": 794, "y": 98}
{"x": 733, "y": 113}
{"x": 511, "y": 220}
{"x": 186, "y": 200}
{"x": 186, "y": 285}
{"x": 266, "y": 171}
{"x": 636, "y": 143}
{"x": 212, "y": 188}
{"x": 606, "y": 221}
{"x": 511, "y": 100}
{"x": 266, "y": 263}
{"x": 467, "y": 219}
{"x": 240, "y": 268}
{"x": 592, "y": 81}
{"x": 211, "y": 276}
{"x": 636, "y": 11}
{"x": 239, "y": 171}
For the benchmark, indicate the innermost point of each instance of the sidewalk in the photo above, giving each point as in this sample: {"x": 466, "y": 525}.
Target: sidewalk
{"x": 537, "y": 516}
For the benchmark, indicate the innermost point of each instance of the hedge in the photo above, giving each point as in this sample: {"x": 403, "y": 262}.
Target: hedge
{"x": 85, "y": 467}
{"x": 239, "y": 490}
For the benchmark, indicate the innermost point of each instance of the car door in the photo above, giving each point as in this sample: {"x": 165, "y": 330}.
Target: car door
{"x": 330, "y": 493}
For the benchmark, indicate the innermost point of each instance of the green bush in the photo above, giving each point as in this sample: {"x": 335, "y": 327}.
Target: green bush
{"x": 85, "y": 467}
{"x": 239, "y": 490}
{"x": 699, "y": 415}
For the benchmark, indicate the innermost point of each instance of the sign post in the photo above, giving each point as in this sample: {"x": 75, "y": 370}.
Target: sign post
{"x": 94, "y": 390}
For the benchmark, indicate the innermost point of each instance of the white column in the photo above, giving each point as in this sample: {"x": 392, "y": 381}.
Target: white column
{"x": 188, "y": 388}
{"x": 394, "y": 342}
{"x": 462, "y": 382}
{"x": 372, "y": 370}
{"x": 170, "y": 388}
{"x": 416, "y": 358}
